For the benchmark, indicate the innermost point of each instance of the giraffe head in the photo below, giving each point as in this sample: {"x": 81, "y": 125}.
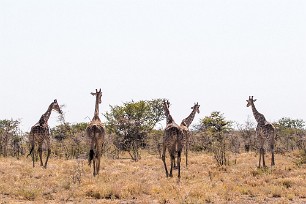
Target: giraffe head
{"x": 56, "y": 107}
{"x": 166, "y": 105}
{"x": 250, "y": 101}
{"x": 196, "y": 107}
{"x": 98, "y": 95}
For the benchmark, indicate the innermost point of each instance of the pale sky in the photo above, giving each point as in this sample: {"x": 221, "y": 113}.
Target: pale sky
{"x": 216, "y": 53}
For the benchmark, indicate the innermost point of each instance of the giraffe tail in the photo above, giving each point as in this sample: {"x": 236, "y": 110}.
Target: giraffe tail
{"x": 91, "y": 152}
{"x": 32, "y": 146}
{"x": 31, "y": 150}
{"x": 91, "y": 156}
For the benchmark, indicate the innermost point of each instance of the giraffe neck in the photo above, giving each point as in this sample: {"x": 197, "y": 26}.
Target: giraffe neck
{"x": 260, "y": 118}
{"x": 169, "y": 118}
{"x": 187, "y": 121}
{"x": 45, "y": 117}
{"x": 96, "y": 114}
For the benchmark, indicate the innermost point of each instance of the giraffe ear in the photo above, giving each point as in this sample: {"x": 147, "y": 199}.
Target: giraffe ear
{"x": 254, "y": 100}
{"x": 93, "y": 93}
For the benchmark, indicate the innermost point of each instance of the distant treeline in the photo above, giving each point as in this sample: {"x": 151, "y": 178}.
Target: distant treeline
{"x": 130, "y": 128}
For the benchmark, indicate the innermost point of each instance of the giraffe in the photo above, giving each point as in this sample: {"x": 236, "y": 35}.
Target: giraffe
{"x": 264, "y": 131}
{"x": 185, "y": 126}
{"x": 96, "y": 133}
{"x": 40, "y": 133}
{"x": 173, "y": 140}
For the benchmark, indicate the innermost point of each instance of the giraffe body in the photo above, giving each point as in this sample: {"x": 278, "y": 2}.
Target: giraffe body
{"x": 40, "y": 133}
{"x": 185, "y": 127}
{"x": 173, "y": 141}
{"x": 265, "y": 132}
{"x": 96, "y": 133}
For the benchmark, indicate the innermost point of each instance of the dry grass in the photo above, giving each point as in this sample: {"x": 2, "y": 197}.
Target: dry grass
{"x": 125, "y": 181}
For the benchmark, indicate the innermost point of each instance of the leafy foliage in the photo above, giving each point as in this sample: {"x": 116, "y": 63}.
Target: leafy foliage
{"x": 10, "y": 137}
{"x": 286, "y": 122}
{"x": 132, "y": 122}
{"x": 70, "y": 140}
{"x": 290, "y": 134}
{"x": 247, "y": 132}
{"x": 215, "y": 123}
{"x": 215, "y": 127}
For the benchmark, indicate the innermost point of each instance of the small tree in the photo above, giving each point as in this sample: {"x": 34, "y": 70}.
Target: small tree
{"x": 70, "y": 141}
{"x": 216, "y": 127}
{"x": 10, "y": 137}
{"x": 247, "y": 131}
{"x": 290, "y": 133}
{"x": 132, "y": 122}
{"x": 154, "y": 142}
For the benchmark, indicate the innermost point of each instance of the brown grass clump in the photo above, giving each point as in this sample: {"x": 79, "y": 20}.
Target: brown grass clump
{"x": 125, "y": 181}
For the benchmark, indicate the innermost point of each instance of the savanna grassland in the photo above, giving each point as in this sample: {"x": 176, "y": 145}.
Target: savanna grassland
{"x": 126, "y": 181}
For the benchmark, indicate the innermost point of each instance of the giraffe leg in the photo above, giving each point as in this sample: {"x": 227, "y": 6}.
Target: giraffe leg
{"x": 272, "y": 159}
{"x": 164, "y": 159}
{"x": 186, "y": 152}
{"x": 94, "y": 166}
{"x": 40, "y": 154}
{"x": 98, "y": 156}
{"x": 33, "y": 159}
{"x": 272, "y": 142}
{"x": 172, "y": 163}
{"x": 49, "y": 150}
{"x": 17, "y": 153}
{"x": 259, "y": 158}
{"x": 98, "y": 165}
{"x": 263, "y": 158}
{"x": 179, "y": 163}
{"x": 48, "y": 155}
